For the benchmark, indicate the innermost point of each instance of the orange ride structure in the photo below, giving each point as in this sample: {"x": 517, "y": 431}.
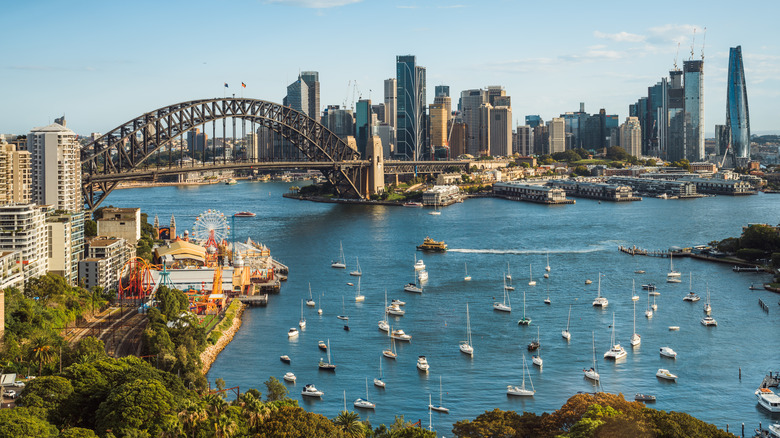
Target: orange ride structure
{"x": 135, "y": 281}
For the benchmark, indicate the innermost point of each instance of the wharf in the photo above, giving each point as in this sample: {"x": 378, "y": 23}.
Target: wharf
{"x": 635, "y": 250}
{"x": 254, "y": 300}
{"x": 770, "y": 380}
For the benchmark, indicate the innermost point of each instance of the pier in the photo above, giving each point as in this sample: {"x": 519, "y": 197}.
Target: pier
{"x": 771, "y": 380}
{"x": 260, "y": 300}
{"x": 635, "y": 250}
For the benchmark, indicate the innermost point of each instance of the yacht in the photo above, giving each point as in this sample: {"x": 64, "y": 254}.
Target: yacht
{"x": 289, "y": 377}
{"x": 707, "y": 306}
{"x": 616, "y": 351}
{"x": 422, "y": 364}
{"x": 398, "y": 302}
{"x": 665, "y": 374}
{"x": 673, "y": 280}
{"x": 302, "y": 321}
{"x": 547, "y": 268}
{"x": 439, "y": 407}
{"x": 383, "y": 325}
{"x": 668, "y": 352}
{"x": 413, "y": 288}
{"x": 390, "y": 353}
{"x": 709, "y": 321}
{"x": 649, "y": 311}
{"x": 634, "y": 296}
{"x": 310, "y": 302}
{"x": 292, "y": 333}
{"x": 379, "y": 381}
{"x": 357, "y": 272}
{"x": 504, "y": 306}
{"x": 537, "y": 358}
{"x": 531, "y": 281}
{"x": 672, "y": 273}
{"x": 768, "y": 399}
{"x": 521, "y": 390}
{"x": 322, "y": 345}
{"x": 400, "y": 335}
{"x": 692, "y": 297}
{"x": 327, "y": 366}
{"x": 358, "y": 296}
{"x": 465, "y": 346}
{"x": 644, "y": 397}
{"x": 419, "y": 265}
{"x": 649, "y": 286}
{"x": 395, "y": 310}
{"x": 600, "y": 301}
{"x": 588, "y": 281}
{"x": 422, "y": 275}
{"x": 340, "y": 263}
{"x": 635, "y": 338}
{"x": 467, "y": 277}
{"x": 524, "y": 320}
{"x": 364, "y": 403}
{"x": 285, "y": 358}
{"x": 592, "y": 374}
{"x": 311, "y": 391}
{"x": 566, "y": 333}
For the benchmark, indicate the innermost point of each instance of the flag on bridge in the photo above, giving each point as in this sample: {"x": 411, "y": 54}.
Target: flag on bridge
{"x": 226, "y": 85}
{"x": 243, "y": 85}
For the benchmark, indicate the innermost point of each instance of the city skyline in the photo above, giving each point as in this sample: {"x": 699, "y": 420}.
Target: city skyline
{"x": 80, "y": 61}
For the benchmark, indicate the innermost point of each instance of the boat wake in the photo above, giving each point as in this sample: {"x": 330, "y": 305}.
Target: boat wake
{"x": 603, "y": 246}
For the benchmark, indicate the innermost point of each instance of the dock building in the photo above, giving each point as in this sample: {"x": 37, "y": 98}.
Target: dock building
{"x": 441, "y": 195}
{"x": 595, "y": 190}
{"x": 521, "y": 191}
{"x": 657, "y": 187}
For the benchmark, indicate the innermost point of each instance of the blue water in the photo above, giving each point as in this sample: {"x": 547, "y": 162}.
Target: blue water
{"x": 487, "y": 234}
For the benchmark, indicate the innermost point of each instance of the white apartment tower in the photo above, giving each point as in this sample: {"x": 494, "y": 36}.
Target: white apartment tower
{"x": 23, "y": 228}
{"x": 56, "y": 167}
{"x": 15, "y": 180}
{"x": 631, "y": 136}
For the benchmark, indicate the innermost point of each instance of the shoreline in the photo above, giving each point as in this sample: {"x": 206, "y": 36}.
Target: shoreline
{"x": 210, "y": 354}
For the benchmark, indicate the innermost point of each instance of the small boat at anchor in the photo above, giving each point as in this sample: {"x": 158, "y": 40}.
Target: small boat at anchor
{"x": 289, "y": 377}
{"x": 244, "y": 214}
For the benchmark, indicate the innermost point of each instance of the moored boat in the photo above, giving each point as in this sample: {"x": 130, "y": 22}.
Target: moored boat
{"x": 289, "y": 377}
{"x": 668, "y": 352}
{"x": 244, "y": 214}
{"x": 644, "y": 397}
{"x": 422, "y": 364}
{"x": 285, "y": 358}
{"x": 665, "y": 374}
{"x": 311, "y": 391}
{"x": 768, "y": 399}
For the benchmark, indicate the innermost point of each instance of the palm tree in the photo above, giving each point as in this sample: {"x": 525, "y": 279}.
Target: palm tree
{"x": 192, "y": 414}
{"x": 349, "y": 423}
{"x": 42, "y": 352}
{"x": 215, "y": 404}
{"x": 225, "y": 426}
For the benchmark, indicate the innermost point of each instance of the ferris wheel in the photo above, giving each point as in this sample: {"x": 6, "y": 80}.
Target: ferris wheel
{"x": 208, "y": 223}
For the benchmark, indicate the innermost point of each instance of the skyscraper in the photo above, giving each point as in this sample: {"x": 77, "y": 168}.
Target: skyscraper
{"x": 438, "y": 125}
{"x": 501, "y": 131}
{"x": 391, "y": 102}
{"x": 694, "y": 110}
{"x": 298, "y": 96}
{"x": 737, "y": 114}
{"x": 312, "y": 80}
{"x": 56, "y": 167}
{"x": 470, "y": 103}
{"x": 411, "y": 121}
{"x": 363, "y": 126}
{"x": 557, "y": 135}
{"x": 14, "y": 175}
{"x": 631, "y": 136}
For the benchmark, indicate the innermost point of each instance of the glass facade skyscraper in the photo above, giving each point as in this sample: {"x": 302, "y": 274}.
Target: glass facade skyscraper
{"x": 694, "y": 109}
{"x": 737, "y": 115}
{"x": 411, "y": 121}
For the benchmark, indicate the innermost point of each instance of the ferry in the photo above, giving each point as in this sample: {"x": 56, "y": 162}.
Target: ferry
{"x": 231, "y": 182}
{"x": 413, "y": 204}
{"x": 244, "y": 214}
{"x": 432, "y": 246}
{"x": 768, "y": 399}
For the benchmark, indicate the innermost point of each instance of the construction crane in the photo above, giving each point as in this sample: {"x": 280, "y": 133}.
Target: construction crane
{"x": 703, "y": 41}
{"x": 693, "y": 41}
{"x": 346, "y": 97}
{"x": 676, "y": 55}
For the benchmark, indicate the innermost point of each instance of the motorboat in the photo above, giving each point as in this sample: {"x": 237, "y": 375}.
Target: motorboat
{"x": 289, "y": 377}
{"x": 419, "y": 265}
{"x": 639, "y": 271}
{"x": 439, "y": 407}
{"x": 322, "y": 345}
{"x": 673, "y": 280}
{"x": 231, "y": 182}
{"x": 285, "y": 358}
{"x": 431, "y": 245}
{"x": 644, "y": 397}
{"x": 521, "y": 390}
{"x": 668, "y": 352}
{"x": 692, "y": 297}
{"x": 357, "y": 272}
{"x": 383, "y": 325}
{"x": 327, "y": 366}
{"x": 665, "y": 374}
{"x": 588, "y": 281}
{"x": 591, "y": 373}
{"x": 311, "y": 391}
{"x": 400, "y": 335}
{"x": 537, "y": 358}
{"x": 292, "y": 333}
{"x": 395, "y": 310}
{"x": 398, "y": 302}
{"x": 709, "y": 321}
{"x": 600, "y": 301}
{"x": 341, "y": 262}
{"x": 615, "y": 351}
{"x": 413, "y": 204}
{"x": 774, "y": 430}
{"x": 363, "y": 403}
{"x": 674, "y": 328}
{"x": 649, "y": 286}
{"x": 465, "y": 346}
{"x": 244, "y": 214}
{"x": 422, "y": 364}
{"x": 422, "y": 275}
{"x": 506, "y": 305}
{"x": 768, "y": 399}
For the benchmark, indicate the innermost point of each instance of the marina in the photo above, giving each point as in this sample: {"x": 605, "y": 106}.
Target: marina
{"x": 306, "y": 237}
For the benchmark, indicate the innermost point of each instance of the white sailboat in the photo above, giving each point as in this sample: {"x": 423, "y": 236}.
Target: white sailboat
{"x": 364, "y": 403}
{"x": 707, "y": 306}
{"x": 521, "y": 390}
{"x": 383, "y": 324}
{"x": 615, "y": 351}
{"x": 635, "y": 338}
{"x": 592, "y": 373}
{"x": 327, "y": 366}
{"x": 531, "y": 281}
{"x": 343, "y": 314}
{"x": 357, "y": 272}
{"x": 390, "y": 353}
{"x": 566, "y": 334}
{"x": 600, "y": 301}
{"x": 537, "y": 358}
{"x": 465, "y": 346}
{"x": 379, "y": 381}
{"x": 467, "y": 277}
{"x": 341, "y": 263}
{"x": 672, "y": 272}
{"x": 414, "y": 287}
{"x": 319, "y": 310}
{"x": 524, "y": 320}
{"x": 358, "y": 297}
{"x": 654, "y": 306}
{"x": 504, "y": 306}
{"x": 508, "y": 274}
{"x": 547, "y": 268}
{"x": 634, "y": 296}
{"x": 302, "y": 322}
{"x": 649, "y": 311}
{"x": 691, "y": 297}
{"x": 310, "y": 302}
{"x": 547, "y": 300}
{"x": 439, "y": 407}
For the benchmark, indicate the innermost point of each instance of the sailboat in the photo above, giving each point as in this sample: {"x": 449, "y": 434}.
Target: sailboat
{"x": 634, "y": 296}
{"x": 383, "y": 325}
{"x": 364, "y": 403}
{"x": 616, "y": 351}
{"x": 435, "y": 211}
{"x": 525, "y": 320}
{"x": 600, "y": 301}
{"x": 341, "y": 263}
{"x": 390, "y": 353}
{"x": 649, "y": 311}
{"x": 319, "y": 310}
{"x": 509, "y": 286}
{"x": 508, "y": 274}
{"x": 467, "y": 277}
{"x": 537, "y": 358}
{"x": 547, "y": 268}
{"x": 310, "y": 302}
{"x": 672, "y": 272}
{"x": 343, "y": 314}
{"x": 506, "y": 305}
{"x": 438, "y": 408}
{"x": 566, "y": 334}
{"x": 327, "y": 366}
{"x": 654, "y": 306}
{"x": 414, "y": 287}
{"x": 357, "y": 272}
{"x": 379, "y": 382}
{"x": 707, "y": 306}
{"x": 520, "y": 390}
{"x": 692, "y": 297}
{"x": 635, "y": 338}
{"x": 358, "y": 297}
{"x": 302, "y": 322}
{"x": 465, "y": 346}
{"x": 531, "y": 281}
{"x": 592, "y": 374}
{"x": 547, "y": 300}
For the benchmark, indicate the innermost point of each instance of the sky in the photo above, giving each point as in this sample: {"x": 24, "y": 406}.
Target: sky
{"x": 103, "y": 63}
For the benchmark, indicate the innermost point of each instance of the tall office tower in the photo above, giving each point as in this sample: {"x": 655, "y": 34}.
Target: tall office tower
{"x": 411, "y": 120}
{"x": 533, "y": 121}
{"x": 340, "y": 121}
{"x": 56, "y": 167}
{"x": 494, "y": 92}
{"x": 312, "y": 80}
{"x": 737, "y": 114}
{"x": 470, "y": 103}
{"x": 694, "y": 110}
{"x": 541, "y": 138}
{"x": 484, "y": 130}
{"x": 438, "y": 125}
{"x": 363, "y": 125}
{"x": 501, "y": 131}
{"x": 298, "y": 96}
{"x": 675, "y": 118}
{"x": 557, "y": 135}
{"x": 631, "y": 136}
{"x": 524, "y": 140}
{"x": 378, "y": 111}
{"x": 391, "y": 102}
{"x": 15, "y": 180}
{"x": 196, "y": 142}
{"x": 252, "y": 143}
{"x": 722, "y": 138}
{"x": 458, "y": 138}
{"x": 24, "y": 229}
{"x": 441, "y": 90}
{"x": 442, "y": 96}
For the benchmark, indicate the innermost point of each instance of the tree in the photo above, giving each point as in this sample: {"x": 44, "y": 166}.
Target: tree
{"x": 349, "y": 423}
{"x": 77, "y": 432}
{"x": 616, "y": 153}
{"x": 498, "y": 423}
{"x": 293, "y": 421}
{"x": 49, "y": 392}
{"x": 22, "y": 422}
{"x": 140, "y": 404}
{"x": 763, "y": 237}
{"x": 192, "y": 414}
{"x": 275, "y": 389}
{"x": 729, "y": 245}
{"x": 90, "y": 228}
{"x": 87, "y": 350}
{"x": 42, "y": 352}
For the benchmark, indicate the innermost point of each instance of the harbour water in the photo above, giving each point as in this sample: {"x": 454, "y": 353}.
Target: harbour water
{"x": 487, "y": 234}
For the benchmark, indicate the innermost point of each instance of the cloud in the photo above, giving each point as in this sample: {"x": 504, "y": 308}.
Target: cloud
{"x": 620, "y": 37}
{"x": 673, "y": 33}
{"x": 315, "y": 4}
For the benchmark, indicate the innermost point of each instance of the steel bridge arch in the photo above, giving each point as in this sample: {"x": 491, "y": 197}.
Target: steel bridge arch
{"x": 128, "y": 146}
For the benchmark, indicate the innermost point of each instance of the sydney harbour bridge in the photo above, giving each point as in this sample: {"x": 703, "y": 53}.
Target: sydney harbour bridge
{"x": 132, "y": 151}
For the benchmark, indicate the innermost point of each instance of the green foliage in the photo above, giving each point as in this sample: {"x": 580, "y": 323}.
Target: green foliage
{"x": 86, "y": 350}
{"x": 498, "y": 423}
{"x": 776, "y": 259}
{"x": 171, "y": 302}
{"x": 616, "y": 153}
{"x": 651, "y": 162}
{"x": 683, "y": 164}
{"x": 763, "y": 237}
{"x": 349, "y": 424}
{"x": 581, "y": 171}
{"x": 729, "y": 245}
{"x": 292, "y": 421}
{"x": 567, "y": 156}
{"x": 90, "y": 228}
{"x": 525, "y": 165}
{"x": 143, "y": 405}
{"x": 275, "y": 389}
{"x": 750, "y": 254}
{"x": 49, "y": 393}
{"x": 77, "y": 432}
{"x": 24, "y": 422}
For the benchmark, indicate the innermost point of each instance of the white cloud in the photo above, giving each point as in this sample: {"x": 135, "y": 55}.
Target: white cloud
{"x": 315, "y": 4}
{"x": 620, "y": 37}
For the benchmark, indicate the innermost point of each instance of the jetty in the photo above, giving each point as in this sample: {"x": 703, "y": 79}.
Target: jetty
{"x": 635, "y": 250}
{"x": 771, "y": 380}
{"x": 260, "y": 300}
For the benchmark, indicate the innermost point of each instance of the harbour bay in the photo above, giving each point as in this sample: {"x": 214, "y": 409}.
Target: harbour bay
{"x": 487, "y": 233}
